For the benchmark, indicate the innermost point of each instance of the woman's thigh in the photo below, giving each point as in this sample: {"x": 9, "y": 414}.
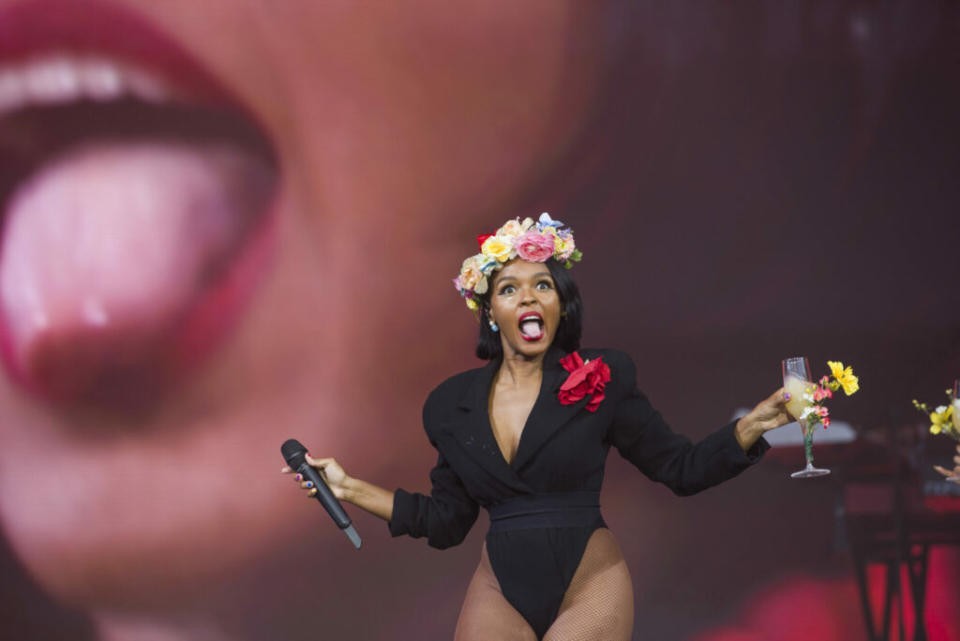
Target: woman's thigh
{"x": 486, "y": 614}
{"x": 598, "y": 605}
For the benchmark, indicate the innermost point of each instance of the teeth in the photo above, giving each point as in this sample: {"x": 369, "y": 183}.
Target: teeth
{"x": 60, "y": 79}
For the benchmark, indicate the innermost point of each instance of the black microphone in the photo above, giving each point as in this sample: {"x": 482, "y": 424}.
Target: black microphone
{"x": 294, "y": 453}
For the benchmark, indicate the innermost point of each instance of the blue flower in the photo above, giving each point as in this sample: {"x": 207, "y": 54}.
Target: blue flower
{"x": 546, "y": 221}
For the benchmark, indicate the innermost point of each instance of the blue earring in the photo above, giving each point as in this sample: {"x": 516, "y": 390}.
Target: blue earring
{"x": 493, "y": 326}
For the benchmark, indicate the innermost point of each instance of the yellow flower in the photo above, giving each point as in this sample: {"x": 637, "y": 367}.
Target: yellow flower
{"x": 472, "y": 304}
{"x": 941, "y": 419}
{"x": 844, "y": 376}
{"x": 497, "y": 248}
{"x": 563, "y": 247}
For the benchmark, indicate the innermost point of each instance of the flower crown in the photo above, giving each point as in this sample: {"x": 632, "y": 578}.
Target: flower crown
{"x": 533, "y": 241}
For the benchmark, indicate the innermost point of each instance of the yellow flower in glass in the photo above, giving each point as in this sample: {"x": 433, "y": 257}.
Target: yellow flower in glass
{"x": 844, "y": 376}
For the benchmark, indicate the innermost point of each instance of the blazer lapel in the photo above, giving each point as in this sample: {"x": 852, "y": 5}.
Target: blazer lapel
{"x": 475, "y": 433}
{"x": 548, "y": 414}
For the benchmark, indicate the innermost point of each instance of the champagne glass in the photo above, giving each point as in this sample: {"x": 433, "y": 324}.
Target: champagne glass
{"x": 797, "y": 383}
{"x": 956, "y": 408}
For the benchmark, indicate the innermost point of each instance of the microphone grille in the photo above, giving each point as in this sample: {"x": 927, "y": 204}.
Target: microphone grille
{"x": 294, "y": 453}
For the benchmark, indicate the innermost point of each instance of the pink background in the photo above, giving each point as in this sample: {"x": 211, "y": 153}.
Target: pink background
{"x": 747, "y": 182}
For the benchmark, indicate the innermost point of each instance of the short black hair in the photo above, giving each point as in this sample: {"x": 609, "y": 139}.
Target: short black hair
{"x": 568, "y": 333}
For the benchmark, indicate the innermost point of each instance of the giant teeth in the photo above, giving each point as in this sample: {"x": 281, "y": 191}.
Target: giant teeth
{"x": 62, "y": 78}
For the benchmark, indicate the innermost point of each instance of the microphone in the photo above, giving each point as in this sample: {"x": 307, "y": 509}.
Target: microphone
{"x": 294, "y": 453}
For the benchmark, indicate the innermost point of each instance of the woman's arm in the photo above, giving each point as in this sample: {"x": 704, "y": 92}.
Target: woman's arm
{"x": 366, "y": 496}
{"x": 642, "y": 436}
{"x": 444, "y": 517}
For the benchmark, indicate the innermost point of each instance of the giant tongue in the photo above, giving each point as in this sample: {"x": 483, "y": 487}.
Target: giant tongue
{"x": 106, "y": 253}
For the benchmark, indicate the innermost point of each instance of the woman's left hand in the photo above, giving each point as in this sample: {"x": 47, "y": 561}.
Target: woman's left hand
{"x": 769, "y": 414}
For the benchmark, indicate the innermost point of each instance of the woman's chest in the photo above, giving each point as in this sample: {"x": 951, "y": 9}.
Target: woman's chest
{"x": 509, "y": 411}
{"x": 555, "y": 451}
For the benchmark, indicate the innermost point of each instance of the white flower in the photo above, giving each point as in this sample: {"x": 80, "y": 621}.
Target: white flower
{"x": 941, "y": 409}
{"x": 807, "y": 411}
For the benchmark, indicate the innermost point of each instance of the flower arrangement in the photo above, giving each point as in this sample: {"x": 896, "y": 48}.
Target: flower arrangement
{"x": 943, "y": 419}
{"x": 814, "y": 397}
{"x": 536, "y": 242}
{"x": 840, "y": 377}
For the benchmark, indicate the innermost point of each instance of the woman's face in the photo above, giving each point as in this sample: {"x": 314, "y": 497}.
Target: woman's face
{"x": 525, "y": 305}
{"x": 135, "y": 452}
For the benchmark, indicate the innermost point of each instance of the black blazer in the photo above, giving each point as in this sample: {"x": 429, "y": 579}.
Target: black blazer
{"x": 562, "y": 448}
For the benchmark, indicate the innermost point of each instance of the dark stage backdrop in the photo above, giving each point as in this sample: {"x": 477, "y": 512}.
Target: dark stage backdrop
{"x": 747, "y": 182}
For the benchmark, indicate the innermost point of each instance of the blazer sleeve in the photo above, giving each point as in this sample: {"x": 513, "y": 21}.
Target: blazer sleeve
{"x": 641, "y": 435}
{"x": 447, "y": 514}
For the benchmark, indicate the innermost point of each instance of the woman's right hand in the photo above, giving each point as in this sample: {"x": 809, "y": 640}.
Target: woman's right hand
{"x": 330, "y": 471}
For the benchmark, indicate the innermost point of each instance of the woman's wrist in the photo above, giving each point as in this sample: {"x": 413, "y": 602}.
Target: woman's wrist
{"x": 367, "y": 496}
{"x": 747, "y": 432}
{"x": 350, "y": 488}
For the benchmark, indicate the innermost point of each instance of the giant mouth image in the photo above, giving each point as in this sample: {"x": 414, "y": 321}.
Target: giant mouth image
{"x": 136, "y": 197}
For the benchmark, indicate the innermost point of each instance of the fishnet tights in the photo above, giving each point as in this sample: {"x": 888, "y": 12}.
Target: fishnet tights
{"x": 598, "y": 604}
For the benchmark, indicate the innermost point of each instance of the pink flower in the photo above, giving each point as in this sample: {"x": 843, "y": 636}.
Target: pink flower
{"x": 585, "y": 379}
{"x": 821, "y": 393}
{"x": 826, "y": 422}
{"x": 822, "y": 411}
{"x": 534, "y": 246}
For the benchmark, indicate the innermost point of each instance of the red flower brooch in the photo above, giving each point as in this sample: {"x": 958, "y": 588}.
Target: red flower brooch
{"x": 586, "y": 378}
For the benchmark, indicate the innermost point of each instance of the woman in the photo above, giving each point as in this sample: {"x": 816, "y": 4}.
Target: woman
{"x": 526, "y": 437}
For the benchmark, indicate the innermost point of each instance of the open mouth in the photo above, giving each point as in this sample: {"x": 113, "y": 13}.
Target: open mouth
{"x": 135, "y": 205}
{"x": 531, "y": 327}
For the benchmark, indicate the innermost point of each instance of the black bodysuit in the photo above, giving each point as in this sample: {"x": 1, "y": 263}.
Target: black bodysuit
{"x": 543, "y": 505}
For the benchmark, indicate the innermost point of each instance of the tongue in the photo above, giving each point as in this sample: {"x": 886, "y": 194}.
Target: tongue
{"x": 118, "y": 239}
{"x": 530, "y": 328}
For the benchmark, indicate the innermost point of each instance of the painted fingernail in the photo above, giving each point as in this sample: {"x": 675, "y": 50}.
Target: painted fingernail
{"x": 299, "y": 477}
{"x": 309, "y": 483}
{"x": 786, "y": 396}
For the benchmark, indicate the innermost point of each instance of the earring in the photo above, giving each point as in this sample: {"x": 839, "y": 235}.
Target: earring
{"x": 493, "y": 326}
